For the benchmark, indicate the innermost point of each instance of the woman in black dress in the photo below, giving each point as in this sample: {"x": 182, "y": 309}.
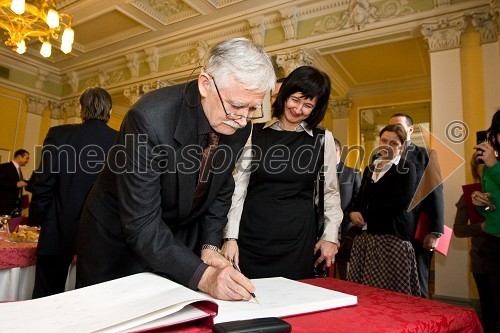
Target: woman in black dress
{"x": 271, "y": 228}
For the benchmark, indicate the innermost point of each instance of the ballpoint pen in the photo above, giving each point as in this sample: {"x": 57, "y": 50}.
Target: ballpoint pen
{"x": 238, "y": 269}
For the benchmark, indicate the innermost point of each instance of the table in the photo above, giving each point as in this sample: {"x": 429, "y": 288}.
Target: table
{"x": 17, "y": 270}
{"x": 378, "y": 311}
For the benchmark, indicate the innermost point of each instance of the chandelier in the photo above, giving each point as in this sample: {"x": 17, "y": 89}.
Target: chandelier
{"x": 23, "y": 20}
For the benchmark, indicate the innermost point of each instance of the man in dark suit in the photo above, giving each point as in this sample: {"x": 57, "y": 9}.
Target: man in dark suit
{"x": 150, "y": 209}
{"x": 428, "y": 199}
{"x": 12, "y": 183}
{"x": 349, "y": 183}
{"x": 72, "y": 156}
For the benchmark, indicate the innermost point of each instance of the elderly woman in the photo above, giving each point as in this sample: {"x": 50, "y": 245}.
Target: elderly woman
{"x": 272, "y": 228}
{"x": 383, "y": 256}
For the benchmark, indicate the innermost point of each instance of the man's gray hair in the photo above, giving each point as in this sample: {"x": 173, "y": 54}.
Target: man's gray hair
{"x": 244, "y": 61}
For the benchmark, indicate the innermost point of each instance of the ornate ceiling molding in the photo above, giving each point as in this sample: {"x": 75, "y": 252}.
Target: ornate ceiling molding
{"x": 166, "y": 11}
{"x": 486, "y": 23}
{"x": 293, "y": 59}
{"x": 444, "y": 34}
{"x": 36, "y": 105}
{"x": 340, "y": 107}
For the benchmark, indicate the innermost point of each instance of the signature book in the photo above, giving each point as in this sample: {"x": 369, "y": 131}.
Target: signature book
{"x": 146, "y": 301}
{"x": 472, "y": 212}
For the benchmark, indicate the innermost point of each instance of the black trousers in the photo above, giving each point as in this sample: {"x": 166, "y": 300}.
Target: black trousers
{"x": 51, "y": 274}
{"x": 423, "y": 258}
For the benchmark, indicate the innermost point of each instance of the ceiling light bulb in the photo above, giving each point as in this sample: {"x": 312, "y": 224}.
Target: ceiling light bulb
{"x": 18, "y": 6}
{"x": 46, "y": 49}
{"x": 66, "y": 47}
{"x": 68, "y": 36}
{"x": 21, "y": 47}
{"x": 52, "y": 19}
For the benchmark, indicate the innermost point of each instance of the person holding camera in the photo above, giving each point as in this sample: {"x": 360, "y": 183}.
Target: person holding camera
{"x": 486, "y": 202}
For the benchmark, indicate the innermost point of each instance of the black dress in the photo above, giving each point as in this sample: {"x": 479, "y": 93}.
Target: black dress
{"x": 278, "y": 229}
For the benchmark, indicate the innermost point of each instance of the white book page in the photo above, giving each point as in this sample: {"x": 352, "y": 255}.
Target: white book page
{"x": 129, "y": 301}
{"x": 281, "y": 297}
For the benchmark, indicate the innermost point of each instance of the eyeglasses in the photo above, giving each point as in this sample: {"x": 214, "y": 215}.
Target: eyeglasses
{"x": 235, "y": 116}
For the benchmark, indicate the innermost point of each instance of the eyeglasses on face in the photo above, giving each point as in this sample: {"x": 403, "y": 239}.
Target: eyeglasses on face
{"x": 254, "y": 112}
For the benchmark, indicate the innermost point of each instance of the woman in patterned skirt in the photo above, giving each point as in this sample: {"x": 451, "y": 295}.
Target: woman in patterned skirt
{"x": 382, "y": 256}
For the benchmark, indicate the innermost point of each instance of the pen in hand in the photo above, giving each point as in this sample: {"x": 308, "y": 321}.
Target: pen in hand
{"x": 238, "y": 269}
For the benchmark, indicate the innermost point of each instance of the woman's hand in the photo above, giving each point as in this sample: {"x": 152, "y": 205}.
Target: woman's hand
{"x": 214, "y": 258}
{"x": 328, "y": 250}
{"x": 482, "y": 199}
{"x": 230, "y": 250}
{"x": 357, "y": 219}
{"x": 486, "y": 153}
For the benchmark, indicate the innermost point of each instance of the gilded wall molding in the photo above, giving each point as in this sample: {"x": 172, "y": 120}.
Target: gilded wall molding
{"x": 444, "y": 34}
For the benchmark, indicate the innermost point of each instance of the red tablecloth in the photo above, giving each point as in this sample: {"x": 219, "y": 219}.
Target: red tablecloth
{"x": 384, "y": 311}
{"x": 378, "y": 311}
{"x": 16, "y": 254}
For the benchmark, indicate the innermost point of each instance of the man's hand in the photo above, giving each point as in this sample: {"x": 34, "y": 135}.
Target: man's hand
{"x": 431, "y": 241}
{"x": 214, "y": 258}
{"x": 226, "y": 284}
{"x": 328, "y": 251}
{"x": 21, "y": 183}
{"x": 230, "y": 250}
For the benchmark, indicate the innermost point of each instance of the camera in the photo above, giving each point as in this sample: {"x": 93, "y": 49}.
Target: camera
{"x": 481, "y": 136}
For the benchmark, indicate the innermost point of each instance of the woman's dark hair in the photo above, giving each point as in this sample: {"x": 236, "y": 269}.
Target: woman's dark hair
{"x": 95, "y": 104}
{"x": 395, "y": 128}
{"x": 494, "y": 130}
{"x": 310, "y": 82}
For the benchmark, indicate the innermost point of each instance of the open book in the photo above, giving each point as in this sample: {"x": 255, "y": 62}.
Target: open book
{"x": 144, "y": 301}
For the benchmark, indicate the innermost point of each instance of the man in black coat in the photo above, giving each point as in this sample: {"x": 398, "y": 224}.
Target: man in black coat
{"x": 432, "y": 203}
{"x": 144, "y": 213}
{"x": 72, "y": 156}
{"x": 349, "y": 183}
{"x": 12, "y": 182}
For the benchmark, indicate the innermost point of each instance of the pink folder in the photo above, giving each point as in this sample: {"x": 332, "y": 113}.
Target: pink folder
{"x": 423, "y": 230}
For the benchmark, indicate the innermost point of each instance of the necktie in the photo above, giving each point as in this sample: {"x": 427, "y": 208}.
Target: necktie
{"x": 205, "y": 165}
{"x": 20, "y": 178}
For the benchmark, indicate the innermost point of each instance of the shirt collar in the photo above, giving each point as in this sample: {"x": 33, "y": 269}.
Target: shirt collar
{"x": 394, "y": 161}
{"x": 275, "y": 123}
{"x": 15, "y": 164}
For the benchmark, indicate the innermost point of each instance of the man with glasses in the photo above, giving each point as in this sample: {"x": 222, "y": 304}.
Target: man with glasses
{"x": 154, "y": 208}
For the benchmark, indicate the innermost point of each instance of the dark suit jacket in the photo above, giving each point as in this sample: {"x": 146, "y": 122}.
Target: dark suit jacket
{"x": 67, "y": 170}
{"x": 384, "y": 204}
{"x": 429, "y": 197}
{"x": 349, "y": 183}
{"x": 9, "y": 192}
{"x": 138, "y": 216}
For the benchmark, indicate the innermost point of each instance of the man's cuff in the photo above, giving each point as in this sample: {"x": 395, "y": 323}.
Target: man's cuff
{"x": 195, "y": 279}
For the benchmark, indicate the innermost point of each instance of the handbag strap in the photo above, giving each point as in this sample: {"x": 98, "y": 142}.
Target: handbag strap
{"x": 321, "y": 186}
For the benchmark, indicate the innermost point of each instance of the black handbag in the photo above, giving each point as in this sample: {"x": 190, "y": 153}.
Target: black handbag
{"x": 320, "y": 270}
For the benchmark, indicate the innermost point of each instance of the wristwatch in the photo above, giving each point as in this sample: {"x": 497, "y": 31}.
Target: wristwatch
{"x": 437, "y": 234}
{"x": 210, "y": 247}
{"x": 228, "y": 239}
